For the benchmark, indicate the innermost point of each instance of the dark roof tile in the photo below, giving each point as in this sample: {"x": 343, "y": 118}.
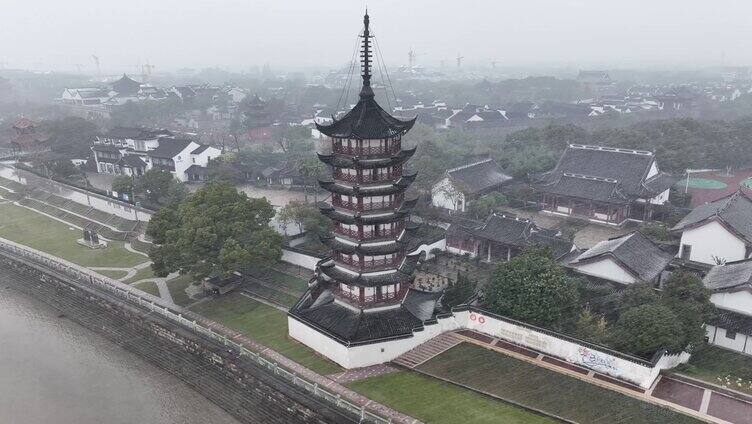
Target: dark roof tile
{"x": 729, "y": 276}
{"x": 478, "y": 177}
{"x": 638, "y": 253}
{"x": 735, "y": 210}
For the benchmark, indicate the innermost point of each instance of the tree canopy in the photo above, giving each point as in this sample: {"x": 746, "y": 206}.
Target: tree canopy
{"x": 159, "y": 187}
{"x": 305, "y": 216}
{"x": 484, "y": 205}
{"x": 645, "y": 329}
{"x": 215, "y": 231}
{"x": 689, "y": 299}
{"x": 533, "y": 288}
{"x": 123, "y": 184}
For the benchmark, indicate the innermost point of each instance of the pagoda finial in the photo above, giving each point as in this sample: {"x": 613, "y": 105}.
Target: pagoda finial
{"x": 365, "y": 57}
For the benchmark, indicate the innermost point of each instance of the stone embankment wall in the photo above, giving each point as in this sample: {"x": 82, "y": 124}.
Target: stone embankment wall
{"x": 247, "y": 391}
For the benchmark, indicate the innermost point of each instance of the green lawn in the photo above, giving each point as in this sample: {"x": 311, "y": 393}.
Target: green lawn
{"x": 272, "y": 295}
{"x": 48, "y": 235}
{"x": 720, "y": 366}
{"x": 289, "y": 282}
{"x": 264, "y": 324}
{"x": 115, "y": 275}
{"x": 141, "y": 274}
{"x": 177, "y": 288}
{"x": 434, "y": 401}
{"x": 148, "y": 287}
{"x": 544, "y": 389}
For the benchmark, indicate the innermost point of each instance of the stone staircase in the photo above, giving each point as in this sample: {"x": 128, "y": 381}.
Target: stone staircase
{"x": 427, "y": 350}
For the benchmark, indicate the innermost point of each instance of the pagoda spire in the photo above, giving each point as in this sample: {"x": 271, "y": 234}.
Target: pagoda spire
{"x": 365, "y": 58}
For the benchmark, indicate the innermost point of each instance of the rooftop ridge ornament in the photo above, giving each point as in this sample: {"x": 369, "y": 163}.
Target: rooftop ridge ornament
{"x": 365, "y": 58}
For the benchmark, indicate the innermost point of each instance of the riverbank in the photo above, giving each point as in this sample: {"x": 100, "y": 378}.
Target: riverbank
{"x": 88, "y": 380}
{"x": 234, "y": 383}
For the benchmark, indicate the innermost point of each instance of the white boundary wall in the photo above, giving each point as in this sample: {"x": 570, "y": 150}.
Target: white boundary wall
{"x": 635, "y": 371}
{"x": 300, "y": 259}
{"x": 589, "y": 357}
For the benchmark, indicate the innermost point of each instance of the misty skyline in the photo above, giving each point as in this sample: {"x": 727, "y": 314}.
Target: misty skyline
{"x": 237, "y": 35}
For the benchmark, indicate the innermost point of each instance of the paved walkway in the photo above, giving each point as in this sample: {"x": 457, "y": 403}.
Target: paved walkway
{"x": 691, "y": 397}
{"x": 129, "y": 272}
{"x": 130, "y": 248}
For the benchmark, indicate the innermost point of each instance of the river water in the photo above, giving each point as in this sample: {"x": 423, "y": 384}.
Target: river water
{"x": 54, "y": 371}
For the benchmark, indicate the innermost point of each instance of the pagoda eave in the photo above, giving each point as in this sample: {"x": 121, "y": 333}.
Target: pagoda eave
{"x": 345, "y": 161}
{"x": 402, "y": 275}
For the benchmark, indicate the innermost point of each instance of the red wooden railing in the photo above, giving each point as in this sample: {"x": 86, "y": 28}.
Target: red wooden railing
{"x": 354, "y": 206}
{"x": 372, "y": 264}
{"x": 339, "y": 201}
{"x": 392, "y": 148}
{"x": 368, "y": 178}
{"x": 370, "y": 234}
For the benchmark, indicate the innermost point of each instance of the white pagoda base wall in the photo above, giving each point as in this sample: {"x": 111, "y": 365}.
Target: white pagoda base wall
{"x": 365, "y": 355}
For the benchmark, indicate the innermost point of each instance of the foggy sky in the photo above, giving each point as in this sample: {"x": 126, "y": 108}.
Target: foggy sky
{"x": 238, "y": 34}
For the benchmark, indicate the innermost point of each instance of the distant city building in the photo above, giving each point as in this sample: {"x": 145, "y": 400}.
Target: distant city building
{"x": 596, "y": 82}
{"x": 101, "y": 101}
{"x": 28, "y": 139}
{"x": 258, "y": 119}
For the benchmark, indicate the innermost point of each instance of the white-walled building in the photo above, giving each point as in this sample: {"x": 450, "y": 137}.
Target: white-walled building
{"x": 717, "y": 232}
{"x": 627, "y": 259}
{"x": 133, "y": 151}
{"x": 465, "y": 183}
{"x": 731, "y": 286}
{"x": 182, "y": 157}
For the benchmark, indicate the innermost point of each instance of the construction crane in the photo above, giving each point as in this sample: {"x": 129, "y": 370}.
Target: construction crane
{"x": 95, "y": 58}
{"x": 459, "y": 60}
{"x": 411, "y": 55}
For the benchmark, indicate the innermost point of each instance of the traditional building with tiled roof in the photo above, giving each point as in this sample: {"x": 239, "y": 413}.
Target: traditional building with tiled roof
{"x": 28, "y": 139}
{"x": 719, "y": 231}
{"x": 133, "y": 151}
{"x": 463, "y": 184}
{"x": 731, "y": 292}
{"x": 361, "y": 309}
{"x": 502, "y": 237}
{"x": 628, "y": 259}
{"x": 604, "y": 184}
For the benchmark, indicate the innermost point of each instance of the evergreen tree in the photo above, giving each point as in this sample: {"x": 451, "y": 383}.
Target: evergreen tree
{"x": 458, "y": 291}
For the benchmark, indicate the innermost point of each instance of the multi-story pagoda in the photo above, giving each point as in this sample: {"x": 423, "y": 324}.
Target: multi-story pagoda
{"x": 361, "y": 293}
